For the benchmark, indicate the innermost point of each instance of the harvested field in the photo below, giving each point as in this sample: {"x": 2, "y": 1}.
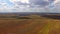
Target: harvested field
{"x": 35, "y": 25}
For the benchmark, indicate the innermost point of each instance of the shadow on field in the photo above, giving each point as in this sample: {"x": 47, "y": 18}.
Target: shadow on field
{"x": 24, "y": 18}
{"x": 52, "y": 16}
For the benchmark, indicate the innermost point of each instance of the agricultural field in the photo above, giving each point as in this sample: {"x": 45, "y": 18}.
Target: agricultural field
{"x": 33, "y": 24}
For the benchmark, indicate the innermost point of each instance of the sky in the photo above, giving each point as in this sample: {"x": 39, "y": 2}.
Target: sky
{"x": 29, "y": 5}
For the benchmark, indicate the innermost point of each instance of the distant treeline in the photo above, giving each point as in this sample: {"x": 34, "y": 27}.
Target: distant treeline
{"x": 18, "y": 17}
{"x": 8, "y": 16}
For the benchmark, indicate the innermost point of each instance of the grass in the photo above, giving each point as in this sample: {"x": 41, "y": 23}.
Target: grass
{"x": 35, "y": 25}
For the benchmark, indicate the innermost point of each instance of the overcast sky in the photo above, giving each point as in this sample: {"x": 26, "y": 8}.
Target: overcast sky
{"x": 20, "y": 5}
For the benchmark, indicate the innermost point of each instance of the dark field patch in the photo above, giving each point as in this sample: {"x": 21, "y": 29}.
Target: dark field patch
{"x": 52, "y": 16}
{"x": 23, "y": 18}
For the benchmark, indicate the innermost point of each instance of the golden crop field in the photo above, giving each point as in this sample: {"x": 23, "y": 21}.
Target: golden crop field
{"x": 34, "y": 25}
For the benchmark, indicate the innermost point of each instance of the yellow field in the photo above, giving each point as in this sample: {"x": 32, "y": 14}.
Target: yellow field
{"x": 35, "y": 25}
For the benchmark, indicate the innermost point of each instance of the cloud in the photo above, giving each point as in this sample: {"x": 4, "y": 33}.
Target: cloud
{"x": 14, "y": 3}
{"x": 42, "y": 3}
{"x": 36, "y": 5}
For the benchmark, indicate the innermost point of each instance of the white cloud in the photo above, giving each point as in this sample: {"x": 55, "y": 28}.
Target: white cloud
{"x": 22, "y": 8}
